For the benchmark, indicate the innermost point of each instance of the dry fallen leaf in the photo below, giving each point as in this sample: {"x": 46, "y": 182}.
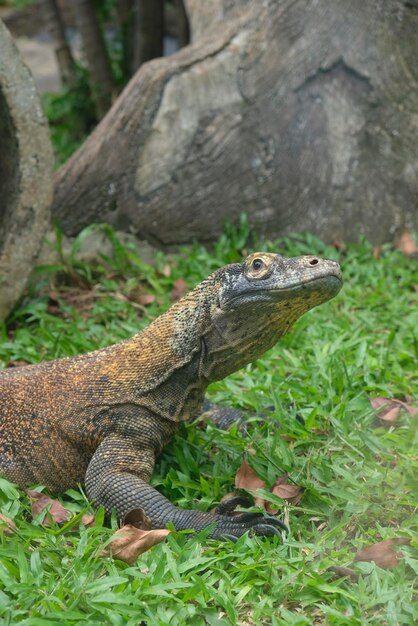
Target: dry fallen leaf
{"x": 339, "y": 245}
{"x": 408, "y": 405}
{"x": 377, "y": 251}
{"x": 166, "y": 271}
{"x": 340, "y": 571}
{"x": 406, "y": 244}
{"x": 290, "y": 493}
{"x": 7, "y": 526}
{"x": 179, "y": 289}
{"x": 88, "y": 520}
{"x": 137, "y": 518}
{"x": 382, "y": 553}
{"x": 129, "y": 542}
{"x": 40, "y": 501}
{"x": 82, "y": 297}
{"x": 388, "y": 409}
{"x": 246, "y": 478}
{"x": 145, "y": 298}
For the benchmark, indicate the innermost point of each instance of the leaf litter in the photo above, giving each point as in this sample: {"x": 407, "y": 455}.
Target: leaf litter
{"x": 383, "y": 552}
{"x": 41, "y": 502}
{"x": 388, "y": 409}
{"x": 246, "y": 478}
{"x": 134, "y": 538}
{"x": 55, "y": 511}
{"x": 7, "y": 525}
{"x": 406, "y": 244}
{"x": 136, "y": 535}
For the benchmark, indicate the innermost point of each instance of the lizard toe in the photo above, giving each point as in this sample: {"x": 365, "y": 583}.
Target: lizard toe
{"x": 266, "y": 530}
{"x": 228, "y": 506}
{"x": 229, "y": 526}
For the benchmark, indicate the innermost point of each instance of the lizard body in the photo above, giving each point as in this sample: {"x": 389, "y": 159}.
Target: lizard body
{"x": 102, "y": 418}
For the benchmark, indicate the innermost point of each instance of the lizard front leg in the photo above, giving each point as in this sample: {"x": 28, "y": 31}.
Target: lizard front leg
{"x": 118, "y": 475}
{"x": 225, "y": 417}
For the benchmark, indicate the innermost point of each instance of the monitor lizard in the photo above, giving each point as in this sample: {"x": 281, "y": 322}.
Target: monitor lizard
{"x": 103, "y": 417}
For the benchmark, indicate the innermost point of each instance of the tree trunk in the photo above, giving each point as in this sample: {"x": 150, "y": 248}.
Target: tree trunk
{"x": 149, "y": 31}
{"x": 304, "y": 117}
{"x": 202, "y": 16}
{"x": 125, "y": 12}
{"x": 55, "y": 26}
{"x": 97, "y": 59}
{"x": 25, "y": 174}
{"x": 183, "y": 30}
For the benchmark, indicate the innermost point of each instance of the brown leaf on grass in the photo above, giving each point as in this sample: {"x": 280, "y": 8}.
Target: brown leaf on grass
{"x": 408, "y": 405}
{"x": 290, "y": 493}
{"x": 166, "y": 271}
{"x": 388, "y": 409}
{"x": 377, "y": 251}
{"x": 88, "y": 520}
{"x": 383, "y": 553}
{"x": 246, "y": 478}
{"x": 179, "y": 289}
{"x": 40, "y": 501}
{"x": 7, "y": 525}
{"x": 389, "y": 413}
{"x": 341, "y": 571}
{"x": 406, "y": 244}
{"x": 144, "y": 298}
{"x": 339, "y": 245}
{"x": 82, "y": 297}
{"x": 137, "y": 518}
{"x": 129, "y": 542}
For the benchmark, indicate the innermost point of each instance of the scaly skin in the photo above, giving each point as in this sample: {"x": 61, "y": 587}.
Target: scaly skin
{"x": 102, "y": 418}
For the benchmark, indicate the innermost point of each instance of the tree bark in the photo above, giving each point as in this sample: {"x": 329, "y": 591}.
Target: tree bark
{"x": 25, "y": 174}
{"x": 55, "y": 26}
{"x": 125, "y": 12}
{"x": 183, "y": 29}
{"x": 203, "y": 16}
{"x": 304, "y": 117}
{"x": 149, "y": 31}
{"x": 97, "y": 59}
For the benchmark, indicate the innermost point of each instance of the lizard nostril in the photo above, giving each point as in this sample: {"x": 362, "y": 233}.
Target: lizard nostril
{"x": 314, "y": 262}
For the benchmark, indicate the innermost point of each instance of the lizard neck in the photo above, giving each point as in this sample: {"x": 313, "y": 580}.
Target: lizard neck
{"x": 159, "y": 368}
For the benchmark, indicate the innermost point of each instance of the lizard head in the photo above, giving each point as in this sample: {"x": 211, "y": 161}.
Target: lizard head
{"x": 258, "y": 301}
{"x": 295, "y": 284}
{"x": 242, "y": 310}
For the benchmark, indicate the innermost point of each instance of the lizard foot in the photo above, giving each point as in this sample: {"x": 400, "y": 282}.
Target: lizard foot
{"x": 225, "y": 417}
{"x": 256, "y": 523}
{"x": 233, "y": 526}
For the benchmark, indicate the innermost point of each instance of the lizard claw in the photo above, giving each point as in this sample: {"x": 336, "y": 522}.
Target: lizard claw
{"x": 266, "y": 530}
{"x": 256, "y": 523}
{"x": 268, "y": 520}
{"x": 230, "y": 537}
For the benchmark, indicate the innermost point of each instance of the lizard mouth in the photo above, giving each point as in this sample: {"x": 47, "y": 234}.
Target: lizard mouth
{"x": 331, "y": 283}
{"x": 326, "y": 287}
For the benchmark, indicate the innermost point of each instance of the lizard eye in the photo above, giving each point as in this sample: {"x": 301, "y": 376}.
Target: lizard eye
{"x": 257, "y": 264}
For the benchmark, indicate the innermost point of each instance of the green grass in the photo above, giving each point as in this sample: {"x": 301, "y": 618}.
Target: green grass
{"x": 359, "y": 477}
